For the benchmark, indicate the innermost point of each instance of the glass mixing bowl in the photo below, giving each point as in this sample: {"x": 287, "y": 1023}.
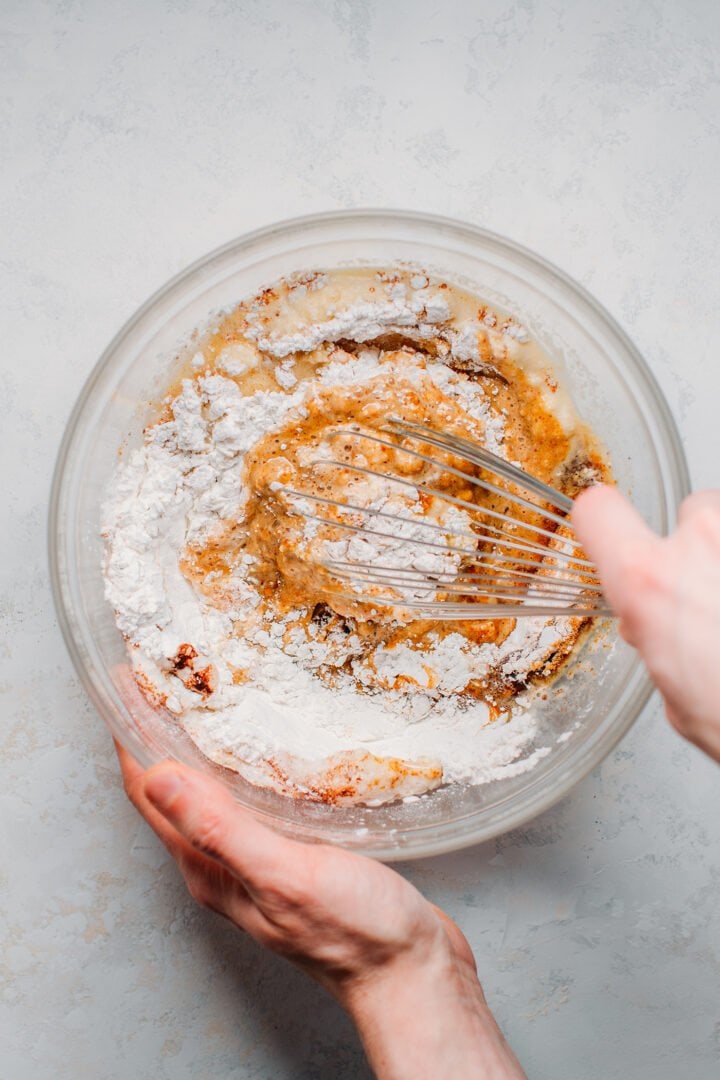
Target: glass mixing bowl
{"x": 586, "y": 711}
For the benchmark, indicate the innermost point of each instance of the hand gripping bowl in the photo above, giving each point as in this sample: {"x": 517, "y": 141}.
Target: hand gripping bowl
{"x": 591, "y": 706}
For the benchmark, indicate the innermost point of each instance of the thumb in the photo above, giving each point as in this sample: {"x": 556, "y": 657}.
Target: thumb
{"x": 210, "y": 819}
{"x": 614, "y": 536}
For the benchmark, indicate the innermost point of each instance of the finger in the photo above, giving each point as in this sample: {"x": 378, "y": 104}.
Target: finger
{"x": 133, "y": 774}
{"x": 209, "y": 883}
{"x": 190, "y": 860}
{"x": 129, "y": 767}
{"x": 176, "y": 844}
{"x": 208, "y": 817}
{"x": 614, "y": 536}
{"x": 697, "y": 503}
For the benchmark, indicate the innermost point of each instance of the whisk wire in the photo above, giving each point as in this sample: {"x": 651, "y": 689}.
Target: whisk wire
{"x": 477, "y": 481}
{"x": 456, "y": 501}
{"x": 449, "y": 611}
{"x": 352, "y": 508}
{"x": 449, "y": 548}
{"x": 524, "y": 577}
{"x": 508, "y": 578}
{"x": 479, "y": 456}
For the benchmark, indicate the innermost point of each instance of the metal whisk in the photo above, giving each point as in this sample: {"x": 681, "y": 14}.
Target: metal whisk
{"x": 502, "y": 565}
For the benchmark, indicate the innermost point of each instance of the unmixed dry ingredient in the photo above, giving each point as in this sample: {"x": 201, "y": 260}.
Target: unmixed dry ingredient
{"x": 211, "y": 561}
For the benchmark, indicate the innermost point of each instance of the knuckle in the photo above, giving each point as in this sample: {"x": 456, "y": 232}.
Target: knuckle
{"x": 706, "y": 519}
{"x": 209, "y": 835}
{"x": 642, "y": 575}
{"x": 299, "y": 892}
{"x": 285, "y": 895}
{"x": 699, "y": 502}
{"x": 289, "y": 893}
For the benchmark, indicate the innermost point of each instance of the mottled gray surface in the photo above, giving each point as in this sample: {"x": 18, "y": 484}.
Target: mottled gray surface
{"x": 136, "y": 136}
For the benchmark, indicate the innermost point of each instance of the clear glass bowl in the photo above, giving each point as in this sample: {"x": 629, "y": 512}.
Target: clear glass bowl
{"x": 592, "y": 706}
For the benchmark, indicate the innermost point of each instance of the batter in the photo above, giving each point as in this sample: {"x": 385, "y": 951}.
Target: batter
{"x": 220, "y": 530}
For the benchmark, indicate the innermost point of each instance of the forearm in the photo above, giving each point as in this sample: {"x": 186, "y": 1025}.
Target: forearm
{"x": 431, "y": 1021}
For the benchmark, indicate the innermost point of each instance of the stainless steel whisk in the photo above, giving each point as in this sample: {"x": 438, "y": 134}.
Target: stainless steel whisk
{"x": 520, "y": 576}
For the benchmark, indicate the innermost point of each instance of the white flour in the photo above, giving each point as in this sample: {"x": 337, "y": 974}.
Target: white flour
{"x": 282, "y": 725}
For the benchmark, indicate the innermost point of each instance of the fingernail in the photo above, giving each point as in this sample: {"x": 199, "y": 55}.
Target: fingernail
{"x": 161, "y": 788}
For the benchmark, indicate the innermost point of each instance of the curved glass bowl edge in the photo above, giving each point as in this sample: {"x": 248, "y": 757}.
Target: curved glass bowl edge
{"x": 459, "y": 833}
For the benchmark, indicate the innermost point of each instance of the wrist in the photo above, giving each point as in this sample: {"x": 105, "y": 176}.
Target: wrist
{"x": 426, "y": 1015}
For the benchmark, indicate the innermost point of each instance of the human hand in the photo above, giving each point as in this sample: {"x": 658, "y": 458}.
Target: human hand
{"x": 399, "y": 965}
{"x": 666, "y": 592}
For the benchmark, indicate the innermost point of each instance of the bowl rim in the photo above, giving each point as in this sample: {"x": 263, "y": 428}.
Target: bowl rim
{"x": 450, "y": 836}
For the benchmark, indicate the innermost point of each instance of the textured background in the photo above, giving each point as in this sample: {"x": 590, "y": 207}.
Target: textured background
{"x": 136, "y": 136}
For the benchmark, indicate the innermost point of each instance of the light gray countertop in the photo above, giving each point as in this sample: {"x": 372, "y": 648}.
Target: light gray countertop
{"x": 136, "y": 136}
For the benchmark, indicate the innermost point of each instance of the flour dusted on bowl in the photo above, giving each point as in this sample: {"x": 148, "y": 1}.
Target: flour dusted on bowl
{"x": 214, "y": 542}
